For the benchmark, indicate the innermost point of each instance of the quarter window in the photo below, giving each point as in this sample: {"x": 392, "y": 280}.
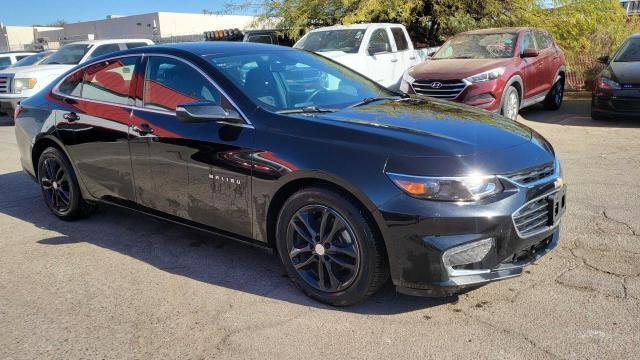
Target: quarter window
{"x": 109, "y": 80}
{"x": 401, "y": 40}
{"x": 170, "y": 82}
{"x": 72, "y": 85}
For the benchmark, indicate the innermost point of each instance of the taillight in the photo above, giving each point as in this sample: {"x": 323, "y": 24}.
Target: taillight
{"x": 18, "y": 110}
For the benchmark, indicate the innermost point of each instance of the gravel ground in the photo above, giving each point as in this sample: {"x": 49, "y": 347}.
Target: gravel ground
{"x": 121, "y": 285}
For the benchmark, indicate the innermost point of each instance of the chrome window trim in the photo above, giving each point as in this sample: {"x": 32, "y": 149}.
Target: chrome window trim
{"x": 55, "y": 90}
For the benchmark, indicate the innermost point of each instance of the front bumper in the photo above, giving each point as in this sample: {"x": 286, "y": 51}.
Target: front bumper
{"x": 8, "y": 104}
{"x": 418, "y": 235}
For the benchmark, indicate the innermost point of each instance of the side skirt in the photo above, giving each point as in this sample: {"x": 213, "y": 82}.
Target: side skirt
{"x": 190, "y": 224}
{"x": 534, "y": 100}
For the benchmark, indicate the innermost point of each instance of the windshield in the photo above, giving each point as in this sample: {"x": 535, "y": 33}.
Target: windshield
{"x": 68, "y": 55}
{"x": 31, "y": 60}
{"x": 284, "y": 79}
{"x": 478, "y": 46}
{"x": 629, "y": 52}
{"x": 347, "y": 41}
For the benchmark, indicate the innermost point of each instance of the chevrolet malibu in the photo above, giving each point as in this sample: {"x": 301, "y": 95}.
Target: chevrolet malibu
{"x": 349, "y": 183}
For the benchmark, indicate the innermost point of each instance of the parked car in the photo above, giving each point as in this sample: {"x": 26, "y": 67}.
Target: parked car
{"x": 20, "y": 83}
{"x": 9, "y": 58}
{"x": 265, "y": 36}
{"x": 348, "y": 183}
{"x": 34, "y": 59}
{"x": 616, "y": 91}
{"x": 500, "y": 70}
{"x": 381, "y": 52}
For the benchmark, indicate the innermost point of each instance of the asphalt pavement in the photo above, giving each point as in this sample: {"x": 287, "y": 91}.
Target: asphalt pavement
{"x": 121, "y": 285}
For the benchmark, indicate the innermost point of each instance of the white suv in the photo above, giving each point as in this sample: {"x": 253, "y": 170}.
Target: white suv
{"x": 9, "y": 58}
{"x": 17, "y": 84}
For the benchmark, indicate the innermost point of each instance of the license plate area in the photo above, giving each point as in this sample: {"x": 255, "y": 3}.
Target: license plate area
{"x": 557, "y": 205}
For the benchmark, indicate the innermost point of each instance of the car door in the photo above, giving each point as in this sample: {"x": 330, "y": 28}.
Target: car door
{"x": 546, "y": 60}
{"x": 530, "y": 67}
{"x": 383, "y": 61}
{"x": 406, "y": 56}
{"x": 196, "y": 171}
{"x": 93, "y": 123}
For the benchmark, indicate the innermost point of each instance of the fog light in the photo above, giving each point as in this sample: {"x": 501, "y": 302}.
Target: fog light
{"x": 466, "y": 254}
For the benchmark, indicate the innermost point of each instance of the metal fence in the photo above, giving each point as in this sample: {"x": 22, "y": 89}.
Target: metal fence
{"x": 581, "y": 71}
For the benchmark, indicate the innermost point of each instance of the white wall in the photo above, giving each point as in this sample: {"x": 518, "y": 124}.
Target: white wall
{"x": 141, "y": 26}
{"x": 18, "y": 37}
{"x": 175, "y": 24}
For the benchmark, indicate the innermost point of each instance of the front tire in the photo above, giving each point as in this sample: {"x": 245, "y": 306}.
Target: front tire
{"x": 60, "y": 187}
{"x": 511, "y": 104}
{"x": 329, "y": 248}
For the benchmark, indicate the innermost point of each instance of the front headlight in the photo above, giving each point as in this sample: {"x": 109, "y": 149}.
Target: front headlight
{"x": 406, "y": 77}
{"x": 20, "y": 84}
{"x": 405, "y": 84}
{"x": 486, "y": 76}
{"x": 468, "y": 188}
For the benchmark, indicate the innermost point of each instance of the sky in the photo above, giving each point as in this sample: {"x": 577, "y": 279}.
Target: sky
{"x": 42, "y": 12}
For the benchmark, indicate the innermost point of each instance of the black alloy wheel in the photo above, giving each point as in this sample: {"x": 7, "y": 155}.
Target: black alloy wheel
{"x": 329, "y": 246}
{"x": 323, "y": 249}
{"x": 60, "y": 187}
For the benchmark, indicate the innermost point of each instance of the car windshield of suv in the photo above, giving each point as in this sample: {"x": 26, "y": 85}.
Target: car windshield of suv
{"x": 630, "y": 51}
{"x": 478, "y": 46}
{"x": 68, "y": 55}
{"x": 281, "y": 80}
{"x": 347, "y": 41}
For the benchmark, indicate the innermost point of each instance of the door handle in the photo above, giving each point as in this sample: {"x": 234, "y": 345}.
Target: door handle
{"x": 71, "y": 117}
{"x": 394, "y": 60}
{"x": 412, "y": 58}
{"x": 143, "y": 129}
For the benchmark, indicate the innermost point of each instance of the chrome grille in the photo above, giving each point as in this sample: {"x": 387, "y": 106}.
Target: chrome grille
{"x": 5, "y": 81}
{"x": 530, "y": 175}
{"x": 443, "y": 89}
{"x": 532, "y": 218}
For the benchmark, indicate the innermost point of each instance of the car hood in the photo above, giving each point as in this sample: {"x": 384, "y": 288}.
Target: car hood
{"x": 626, "y": 72}
{"x": 450, "y": 69}
{"x": 434, "y": 127}
{"x": 335, "y": 54}
{"x": 35, "y": 70}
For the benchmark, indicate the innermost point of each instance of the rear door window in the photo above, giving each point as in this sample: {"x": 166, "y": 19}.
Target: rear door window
{"x": 105, "y": 49}
{"x": 401, "y": 40}
{"x": 109, "y": 81}
{"x": 542, "y": 40}
{"x": 264, "y": 39}
{"x": 170, "y": 82}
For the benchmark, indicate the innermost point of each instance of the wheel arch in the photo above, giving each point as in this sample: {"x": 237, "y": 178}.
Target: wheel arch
{"x": 316, "y": 179}
{"x": 515, "y": 81}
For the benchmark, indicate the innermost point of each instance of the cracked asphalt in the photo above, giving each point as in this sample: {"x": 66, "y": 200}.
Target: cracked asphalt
{"x": 120, "y": 285}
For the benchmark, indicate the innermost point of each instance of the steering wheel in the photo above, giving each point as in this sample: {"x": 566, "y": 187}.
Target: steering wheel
{"x": 314, "y": 94}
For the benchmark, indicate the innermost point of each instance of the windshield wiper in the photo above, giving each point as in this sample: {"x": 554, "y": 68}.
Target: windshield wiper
{"x": 369, "y": 100}
{"x": 307, "y": 110}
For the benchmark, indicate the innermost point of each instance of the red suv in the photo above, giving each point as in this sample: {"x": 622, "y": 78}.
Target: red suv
{"x": 501, "y": 70}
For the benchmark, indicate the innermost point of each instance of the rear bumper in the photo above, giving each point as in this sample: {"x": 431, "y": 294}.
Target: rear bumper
{"x": 621, "y": 104}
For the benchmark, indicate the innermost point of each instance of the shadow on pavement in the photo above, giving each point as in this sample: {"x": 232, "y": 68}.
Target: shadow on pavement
{"x": 574, "y": 112}
{"x": 183, "y": 251}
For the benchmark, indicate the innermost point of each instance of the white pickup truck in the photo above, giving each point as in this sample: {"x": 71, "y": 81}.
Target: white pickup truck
{"x": 380, "y": 51}
{"x": 17, "y": 84}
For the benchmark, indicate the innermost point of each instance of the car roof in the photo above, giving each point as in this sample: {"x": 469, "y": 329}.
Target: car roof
{"x": 211, "y": 47}
{"x": 353, "y": 26}
{"x": 18, "y": 52}
{"x": 635, "y": 36}
{"x": 503, "y": 30}
{"x": 109, "y": 41}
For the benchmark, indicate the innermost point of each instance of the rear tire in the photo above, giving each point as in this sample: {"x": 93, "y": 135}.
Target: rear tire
{"x": 510, "y": 104}
{"x": 554, "y": 98}
{"x": 329, "y": 248}
{"x": 59, "y": 186}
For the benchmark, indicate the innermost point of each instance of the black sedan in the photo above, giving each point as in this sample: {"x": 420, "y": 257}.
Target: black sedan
{"x": 616, "y": 92}
{"x": 348, "y": 182}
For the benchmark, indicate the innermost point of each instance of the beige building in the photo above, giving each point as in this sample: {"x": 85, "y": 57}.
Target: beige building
{"x": 20, "y": 37}
{"x": 155, "y": 26}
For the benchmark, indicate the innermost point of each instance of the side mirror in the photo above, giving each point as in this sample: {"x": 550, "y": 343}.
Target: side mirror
{"x": 530, "y": 53}
{"x": 604, "y": 59}
{"x": 199, "y": 112}
{"x": 430, "y": 55}
{"x": 377, "y": 48}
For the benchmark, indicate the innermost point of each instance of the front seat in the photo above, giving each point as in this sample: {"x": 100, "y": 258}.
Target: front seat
{"x": 261, "y": 84}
